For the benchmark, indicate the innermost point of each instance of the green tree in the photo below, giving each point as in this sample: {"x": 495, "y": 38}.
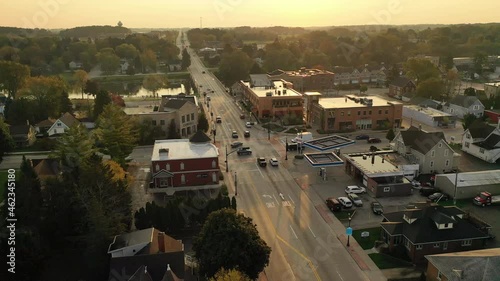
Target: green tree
{"x": 109, "y": 61}
{"x": 390, "y": 134}
{"x": 282, "y": 59}
{"x": 230, "y": 240}
{"x": 149, "y": 61}
{"x": 102, "y": 99}
{"x": 154, "y": 82}
{"x": 65, "y": 104}
{"x": 363, "y": 88}
{"x": 13, "y": 75}
{"x": 148, "y": 132}
{"x": 172, "y": 131}
{"x": 203, "y": 122}
{"x": 234, "y": 67}
{"x": 480, "y": 60}
{"x": 431, "y": 88}
{"x": 126, "y": 51}
{"x": 116, "y": 133}
{"x": 6, "y": 141}
{"x": 470, "y": 92}
{"x": 421, "y": 70}
{"x": 468, "y": 119}
{"x": 91, "y": 88}
{"x": 46, "y": 93}
{"x": 229, "y": 275}
{"x": 186, "y": 59}
{"x": 80, "y": 78}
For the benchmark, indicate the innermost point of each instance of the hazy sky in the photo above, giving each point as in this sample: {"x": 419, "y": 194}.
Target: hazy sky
{"x": 230, "y": 13}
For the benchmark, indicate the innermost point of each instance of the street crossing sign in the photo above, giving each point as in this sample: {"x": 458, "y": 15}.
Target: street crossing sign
{"x": 348, "y": 231}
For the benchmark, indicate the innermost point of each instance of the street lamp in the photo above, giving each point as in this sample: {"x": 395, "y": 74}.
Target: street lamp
{"x": 235, "y": 185}
{"x": 349, "y": 230}
{"x": 227, "y": 163}
{"x": 286, "y": 148}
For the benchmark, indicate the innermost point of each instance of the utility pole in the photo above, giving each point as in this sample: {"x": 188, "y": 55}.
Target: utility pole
{"x": 286, "y": 148}
{"x": 455, "y": 193}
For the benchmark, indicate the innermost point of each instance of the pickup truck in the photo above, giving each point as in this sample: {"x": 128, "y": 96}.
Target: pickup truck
{"x": 244, "y": 151}
{"x": 485, "y": 198}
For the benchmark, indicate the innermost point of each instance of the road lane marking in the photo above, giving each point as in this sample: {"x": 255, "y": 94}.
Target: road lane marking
{"x": 312, "y": 231}
{"x": 313, "y": 268}
{"x": 293, "y": 232}
{"x": 291, "y": 198}
{"x": 276, "y": 199}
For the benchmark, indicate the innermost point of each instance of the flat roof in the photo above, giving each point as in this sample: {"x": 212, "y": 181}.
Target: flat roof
{"x": 496, "y": 84}
{"x": 143, "y": 110}
{"x": 278, "y": 87}
{"x": 307, "y": 72}
{"x": 429, "y": 111}
{"x": 474, "y": 178}
{"x": 349, "y": 101}
{"x": 183, "y": 149}
{"x": 380, "y": 164}
{"x": 312, "y": 93}
{"x": 323, "y": 159}
{"x": 329, "y": 142}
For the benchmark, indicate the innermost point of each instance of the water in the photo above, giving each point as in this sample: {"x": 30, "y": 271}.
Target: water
{"x": 140, "y": 92}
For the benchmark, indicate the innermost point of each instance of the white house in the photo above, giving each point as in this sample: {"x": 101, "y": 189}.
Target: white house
{"x": 462, "y": 105}
{"x": 62, "y": 124}
{"x": 483, "y": 141}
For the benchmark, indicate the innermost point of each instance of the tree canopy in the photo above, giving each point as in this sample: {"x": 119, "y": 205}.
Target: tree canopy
{"x": 234, "y": 66}
{"x": 13, "y": 75}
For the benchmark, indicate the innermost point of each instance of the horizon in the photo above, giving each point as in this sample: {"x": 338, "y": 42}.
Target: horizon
{"x": 64, "y": 14}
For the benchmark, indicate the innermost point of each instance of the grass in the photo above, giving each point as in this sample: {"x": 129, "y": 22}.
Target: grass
{"x": 384, "y": 261}
{"x": 461, "y": 203}
{"x": 273, "y": 127}
{"x": 3, "y": 180}
{"x": 367, "y": 242}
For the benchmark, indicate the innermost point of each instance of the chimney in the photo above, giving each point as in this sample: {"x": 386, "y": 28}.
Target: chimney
{"x": 163, "y": 151}
{"x": 161, "y": 242}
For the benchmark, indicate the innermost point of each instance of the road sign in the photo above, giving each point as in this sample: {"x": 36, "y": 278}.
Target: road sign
{"x": 365, "y": 234}
{"x": 348, "y": 231}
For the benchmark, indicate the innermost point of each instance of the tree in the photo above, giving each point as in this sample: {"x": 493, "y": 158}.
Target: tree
{"x": 109, "y": 61}
{"x": 230, "y": 240}
{"x": 470, "y": 92}
{"x": 91, "y": 88}
{"x": 431, "y": 88}
{"x": 6, "y": 141}
{"x": 148, "y": 132}
{"x": 119, "y": 24}
{"x": 234, "y": 67}
{"x": 148, "y": 60}
{"x": 468, "y": 119}
{"x": 126, "y": 51}
{"x": 390, "y": 134}
{"x": 421, "y": 70}
{"x": 46, "y": 93}
{"x": 282, "y": 59}
{"x": 102, "y": 99}
{"x": 186, "y": 59}
{"x": 202, "y": 122}
{"x": 65, "y": 104}
{"x": 116, "y": 133}
{"x": 154, "y": 82}
{"x": 363, "y": 88}
{"x": 172, "y": 131}
{"x": 480, "y": 59}
{"x": 229, "y": 275}
{"x": 80, "y": 77}
{"x": 13, "y": 75}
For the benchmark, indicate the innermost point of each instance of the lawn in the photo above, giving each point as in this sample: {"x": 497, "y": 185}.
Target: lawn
{"x": 461, "y": 203}
{"x": 273, "y": 127}
{"x": 384, "y": 261}
{"x": 367, "y": 242}
{"x": 3, "y": 180}
{"x": 342, "y": 216}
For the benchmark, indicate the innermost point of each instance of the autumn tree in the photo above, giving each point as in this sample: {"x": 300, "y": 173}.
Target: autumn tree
{"x": 148, "y": 61}
{"x": 229, "y": 275}
{"x": 13, "y": 75}
{"x": 80, "y": 77}
{"x": 154, "y": 82}
{"x": 230, "y": 240}
{"x": 6, "y": 141}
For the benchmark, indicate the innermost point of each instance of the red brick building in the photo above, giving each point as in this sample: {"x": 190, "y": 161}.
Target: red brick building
{"x": 184, "y": 164}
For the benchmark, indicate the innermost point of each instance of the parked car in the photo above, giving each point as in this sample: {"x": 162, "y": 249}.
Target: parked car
{"x": 235, "y": 135}
{"x": 438, "y": 196}
{"x": 246, "y": 134}
{"x": 261, "y": 161}
{"x": 236, "y": 144}
{"x": 273, "y": 162}
{"x": 333, "y": 204}
{"x": 416, "y": 184}
{"x": 374, "y": 140}
{"x": 355, "y": 199}
{"x": 377, "y": 208}
{"x": 426, "y": 191}
{"x": 355, "y": 189}
{"x": 248, "y": 125}
{"x": 218, "y": 119}
{"x": 346, "y": 203}
{"x": 362, "y": 137}
{"x": 242, "y": 116}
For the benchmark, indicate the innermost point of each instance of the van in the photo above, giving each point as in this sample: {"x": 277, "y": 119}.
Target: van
{"x": 333, "y": 204}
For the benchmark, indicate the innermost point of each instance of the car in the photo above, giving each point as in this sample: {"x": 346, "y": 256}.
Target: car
{"x": 355, "y": 199}
{"x": 273, "y": 162}
{"x": 355, "y": 189}
{"x": 416, "y": 184}
{"x": 248, "y": 125}
{"x": 246, "y": 134}
{"x": 438, "y": 196}
{"x": 346, "y": 203}
{"x": 242, "y": 116}
{"x": 234, "y": 135}
{"x": 362, "y": 137}
{"x": 426, "y": 191}
{"x": 236, "y": 144}
{"x": 333, "y": 204}
{"x": 377, "y": 208}
{"x": 374, "y": 140}
{"x": 203, "y": 72}
{"x": 218, "y": 119}
{"x": 261, "y": 161}
{"x": 244, "y": 151}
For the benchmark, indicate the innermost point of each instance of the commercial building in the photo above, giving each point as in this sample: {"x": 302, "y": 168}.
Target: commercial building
{"x": 184, "y": 164}
{"x": 428, "y": 116}
{"x": 352, "y": 113}
{"x": 306, "y": 79}
{"x": 468, "y": 185}
{"x": 492, "y": 89}
{"x": 270, "y": 98}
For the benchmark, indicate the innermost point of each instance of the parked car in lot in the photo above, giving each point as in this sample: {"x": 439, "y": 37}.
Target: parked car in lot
{"x": 426, "y": 191}
{"x": 246, "y": 134}
{"x": 346, "y": 203}
{"x": 261, "y": 161}
{"x": 438, "y": 196}
{"x": 416, "y": 184}
{"x": 236, "y": 144}
{"x": 333, "y": 204}
{"x": 244, "y": 151}
{"x": 355, "y": 199}
{"x": 362, "y": 137}
{"x": 273, "y": 162}
{"x": 377, "y": 208}
{"x": 248, "y": 125}
{"x": 355, "y": 189}
{"x": 374, "y": 140}
{"x": 235, "y": 135}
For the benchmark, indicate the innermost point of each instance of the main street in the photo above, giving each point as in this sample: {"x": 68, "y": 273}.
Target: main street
{"x": 304, "y": 246}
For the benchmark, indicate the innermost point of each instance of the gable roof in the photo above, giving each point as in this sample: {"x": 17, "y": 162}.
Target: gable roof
{"x": 464, "y": 101}
{"x": 132, "y": 238}
{"x": 46, "y": 167}
{"x": 491, "y": 142}
{"x": 141, "y": 274}
{"x": 45, "y": 123}
{"x": 479, "y": 129}
{"x": 200, "y": 137}
{"x": 175, "y": 103}
{"x": 424, "y": 230}
{"x": 68, "y": 119}
{"x": 170, "y": 275}
{"x": 421, "y": 141}
{"x": 19, "y": 129}
{"x": 156, "y": 265}
{"x": 430, "y": 103}
{"x": 401, "y": 81}
{"x": 480, "y": 265}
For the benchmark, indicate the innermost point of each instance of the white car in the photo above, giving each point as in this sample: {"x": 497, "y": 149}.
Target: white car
{"x": 346, "y": 203}
{"x": 355, "y": 189}
{"x": 273, "y": 162}
{"x": 248, "y": 125}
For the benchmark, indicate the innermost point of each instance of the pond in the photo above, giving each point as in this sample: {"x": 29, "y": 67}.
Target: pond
{"x": 130, "y": 90}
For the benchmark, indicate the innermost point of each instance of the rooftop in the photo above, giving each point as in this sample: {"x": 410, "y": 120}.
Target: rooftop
{"x": 380, "y": 164}
{"x": 133, "y": 238}
{"x": 182, "y": 149}
{"x": 144, "y": 110}
{"x": 277, "y": 90}
{"x": 496, "y": 84}
{"x": 330, "y": 142}
{"x": 351, "y": 101}
{"x": 312, "y": 93}
{"x": 428, "y": 111}
{"x": 323, "y": 159}
{"x": 474, "y": 178}
{"x": 307, "y": 72}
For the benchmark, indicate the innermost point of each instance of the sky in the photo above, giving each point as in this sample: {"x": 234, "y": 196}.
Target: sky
{"x": 53, "y": 14}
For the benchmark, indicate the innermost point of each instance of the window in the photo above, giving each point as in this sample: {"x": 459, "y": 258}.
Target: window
{"x": 213, "y": 163}
{"x": 183, "y": 179}
{"x": 364, "y": 112}
{"x": 439, "y": 275}
{"x": 466, "y": 242}
{"x": 369, "y": 112}
{"x": 183, "y": 119}
{"x": 192, "y": 116}
{"x": 359, "y": 113}
{"x": 163, "y": 182}
{"x": 432, "y": 164}
{"x": 387, "y": 112}
{"x": 380, "y": 112}
{"x": 59, "y": 124}
{"x": 153, "y": 122}
{"x": 447, "y": 163}
{"x": 162, "y": 122}
{"x": 476, "y": 107}
{"x": 387, "y": 188}
{"x": 419, "y": 247}
{"x": 187, "y": 118}
{"x": 436, "y": 245}
{"x": 433, "y": 153}
{"x": 446, "y": 152}
{"x": 445, "y": 245}
{"x": 467, "y": 144}
{"x": 157, "y": 167}
{"x": 341, "y": 113}
{"x": 481, "y": 150}
{"x": 349, "y": 113}
{"x": 440, "y": 145}
{"x": 182, "y": 165}
{"x": 467, "y": 136}
{"x": 167, "y": 167}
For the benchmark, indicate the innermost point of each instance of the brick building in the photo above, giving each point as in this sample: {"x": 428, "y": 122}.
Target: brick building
{"x": 306, "y": 79}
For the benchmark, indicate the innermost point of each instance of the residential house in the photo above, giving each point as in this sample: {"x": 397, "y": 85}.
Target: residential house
{"x": 400, "y": 86}
{"x": 62, "y": 124}
{"x": 427, "y": 228}
{"x": 23, "y": 135}
{"x": 479, "y": 265}
{"x": 429, "y": 150}
{"x": 46, "y": 169}
{"x": 146, "y": 253}
{"x": 43, "y": 127}
{"x": 483, "y": 141}
{"x": 73, "y": 65}
{"x": 462, "y": 105}
{"x": 492, "y": 89}
{"x": 184, "y": 164}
